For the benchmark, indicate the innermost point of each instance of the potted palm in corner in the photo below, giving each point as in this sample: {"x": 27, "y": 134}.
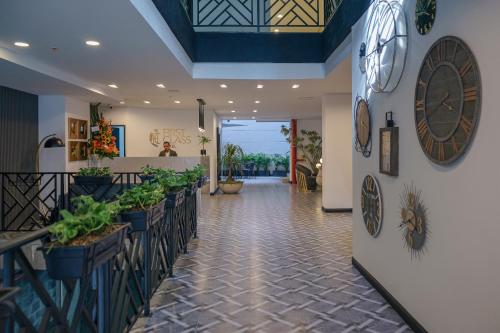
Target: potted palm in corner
{"x": 203, "y": 140}
{"x": 231, "y": 159}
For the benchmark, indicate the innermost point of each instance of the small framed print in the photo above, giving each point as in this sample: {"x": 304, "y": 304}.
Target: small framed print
{"x": 82, "y": 129}
{"x": 389, "y": 151}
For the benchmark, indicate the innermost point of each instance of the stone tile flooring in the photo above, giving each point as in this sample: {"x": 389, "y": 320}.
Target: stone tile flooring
{"x": 269, "y": 260}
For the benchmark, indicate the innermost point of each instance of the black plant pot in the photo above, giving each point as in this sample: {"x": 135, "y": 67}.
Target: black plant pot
{"x": 146, "y": 178}
{"x": 73, "y": 262}
{"x": 174, "y": 199}
{"x": 203, "y": 152}
{"x": 93, "y": 180}
{"x": 144, "y": 219}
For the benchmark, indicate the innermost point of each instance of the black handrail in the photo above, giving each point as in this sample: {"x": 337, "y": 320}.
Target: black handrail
{"x": 23, "y": 239}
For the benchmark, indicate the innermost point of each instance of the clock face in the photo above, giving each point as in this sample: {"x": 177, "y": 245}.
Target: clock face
{"x": 386, "y": 44}
{"x": 413, "y": 220}
{"x": 447, "y": 100}
{"x": 363, "y": 127}
{"x": 371, "y": 205}
{"x": 425, "y": 14}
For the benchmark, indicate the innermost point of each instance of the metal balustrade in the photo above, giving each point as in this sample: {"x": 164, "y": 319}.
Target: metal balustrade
{"x": 260, "y": 15}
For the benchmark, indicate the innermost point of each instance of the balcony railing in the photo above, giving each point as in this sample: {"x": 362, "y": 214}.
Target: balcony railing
{"x": 260, "y": 15}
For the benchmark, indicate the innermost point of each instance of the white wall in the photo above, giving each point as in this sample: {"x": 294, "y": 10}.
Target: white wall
{"x": 337, "y": 151}
{"x": 454, "y": 286}
{"x": 140, "y": 122}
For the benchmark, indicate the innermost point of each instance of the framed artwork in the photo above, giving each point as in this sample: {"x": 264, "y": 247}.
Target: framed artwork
{"x": 77, "y": 151}
{"x": 73, "y": 128}
{"x": 83, "y": 126}
{"x": 389, "y": 151}
{"x": 119, "y": 134}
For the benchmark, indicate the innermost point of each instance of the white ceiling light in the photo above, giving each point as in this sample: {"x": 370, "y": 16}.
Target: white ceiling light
{"x": 177, "y": 102}
{"x": 21, "y": 44}
{"x": 92, "y": 43}
{"x": 296, "y": 86}
{"x": 223, "y": 86}
{"x": 260, "y": 86}
{"x": 276, "y": 30}
{"x": 235, "y": 118}
{"x": 255, "y": 111}
{"x": 147, "y": 102}
{"x": 253, "y": 117}
{"x": 257, "y": 102}
{"x": 280, "y": 16}
{"x": 112, "y": 85}
{"x": 122, "y": 102}
{"x": 230, "y": 102}
{"x": 233, "y": 111}
{"x": 161, "y": 85}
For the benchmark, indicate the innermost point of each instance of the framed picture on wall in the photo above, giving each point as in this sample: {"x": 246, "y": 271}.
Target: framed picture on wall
{"x": 83, "y": 129}
{"x": 119, "y": 133}
{"x": 73, "y": 128}
{"x": 389, "y": 151}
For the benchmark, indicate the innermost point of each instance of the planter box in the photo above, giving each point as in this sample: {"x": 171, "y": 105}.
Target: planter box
{"x": 191, "y": 189}
{"x": 73, "y": 262}
{"x": 144, "y": 219}
{"x": 145, "y": 178}
{"x": 93, "y": 180}
{"x": 174, "y": 199}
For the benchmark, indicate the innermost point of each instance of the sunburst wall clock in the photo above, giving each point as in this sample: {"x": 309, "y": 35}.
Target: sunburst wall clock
{"x": 413, "y": 220}
{"x": 425, "y": 14}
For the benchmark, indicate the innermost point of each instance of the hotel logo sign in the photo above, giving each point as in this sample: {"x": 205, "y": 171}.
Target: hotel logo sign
{"x": 173, "y": 135}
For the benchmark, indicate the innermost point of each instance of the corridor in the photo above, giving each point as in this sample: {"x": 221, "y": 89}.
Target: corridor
{"x": 269, "y": 260}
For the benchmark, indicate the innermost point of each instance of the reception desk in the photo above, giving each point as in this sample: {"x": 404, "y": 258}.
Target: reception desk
{"x": 135, "y": 164}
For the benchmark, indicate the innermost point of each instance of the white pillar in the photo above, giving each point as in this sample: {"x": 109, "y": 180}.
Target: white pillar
{"x": 337, "y": 152}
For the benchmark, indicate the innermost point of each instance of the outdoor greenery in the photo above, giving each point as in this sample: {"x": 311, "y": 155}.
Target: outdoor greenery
{"x": 232, "y": 160}
{"x": 282, "y": 161}
{"x": 141, "y": 197}
{"x": 309, "y": 143}
{"x": 90, "y": 217}
{"x": 95, "y": 172}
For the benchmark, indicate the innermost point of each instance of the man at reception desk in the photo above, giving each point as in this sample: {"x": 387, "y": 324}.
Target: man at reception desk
{"x": 167, "y": 151}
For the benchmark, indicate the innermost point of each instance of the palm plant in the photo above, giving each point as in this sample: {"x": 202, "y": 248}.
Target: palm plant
{"x": 232, "y": 159}
{"x": 310, "y": 148}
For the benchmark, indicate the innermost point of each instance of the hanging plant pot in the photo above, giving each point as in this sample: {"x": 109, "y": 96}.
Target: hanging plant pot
{"x": 73, "y": 262}
{"x": 143, "y": 220}
{"x": 93, "y": 180}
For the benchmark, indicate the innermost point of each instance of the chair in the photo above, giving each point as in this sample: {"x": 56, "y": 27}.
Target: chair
{"x": 305, "y": 179}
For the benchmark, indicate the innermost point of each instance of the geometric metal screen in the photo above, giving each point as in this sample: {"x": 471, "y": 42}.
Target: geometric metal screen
{"x": 262, "y": 15}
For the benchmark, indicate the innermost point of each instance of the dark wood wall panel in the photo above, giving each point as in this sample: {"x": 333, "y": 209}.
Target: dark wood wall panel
{"x": 18, "y": 130}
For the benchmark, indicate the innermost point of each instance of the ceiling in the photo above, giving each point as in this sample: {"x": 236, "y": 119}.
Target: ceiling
{"x": 135, "y": 58}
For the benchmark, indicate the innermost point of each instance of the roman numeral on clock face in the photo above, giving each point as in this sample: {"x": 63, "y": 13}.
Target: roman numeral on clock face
{"x": 466, "y": 125}
{"x": 422, "y": 128}
{"x": 465, "y": 68}
{"x": 470, "y": 94}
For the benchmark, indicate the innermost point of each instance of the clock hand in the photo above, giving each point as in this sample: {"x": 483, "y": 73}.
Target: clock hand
{"x": 450, "y": 108}
{"x": 439, "y": 105}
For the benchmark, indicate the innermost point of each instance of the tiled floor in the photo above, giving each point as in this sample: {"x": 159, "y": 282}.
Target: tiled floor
{"x": 268, "y": 260}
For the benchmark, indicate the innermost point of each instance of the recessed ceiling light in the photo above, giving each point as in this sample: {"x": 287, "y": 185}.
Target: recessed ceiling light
{"x": 223, "y": 86}
{"x": 296, "y": 86}
{"x": 257, "y": 102}
{"x": 230, "y": 102}
{"x": 233, "y": 111}
{"x": 253, "y": 117}
{"x": 147, "y": 102}
{"x": 21, "y": 44}
{"x": 235, "y": 118}
{"x": 276, "y": 30}
{"x": 255, "y": 111}
{"x": 280, "y": 16}
{"x": 161, "y": 85}
{"x": 92, "y": 43}
{"x": 177, "y": 102}
{"x": 112, "y": 85}
{"x": 260, "y": 86}
{"x": 122, "y": 102}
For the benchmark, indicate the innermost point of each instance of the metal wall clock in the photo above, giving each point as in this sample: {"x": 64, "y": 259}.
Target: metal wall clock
{"x": 386, "y": 46}
{"x": 447, "y": 100}
{"x": 363, "y": 126}
{"x": 413, "y": 220}
{"x": 425, "y": 14}
{"x": 371, "y": 205}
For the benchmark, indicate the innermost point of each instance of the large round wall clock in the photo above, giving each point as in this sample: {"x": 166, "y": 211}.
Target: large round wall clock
{"x": 447, "y": 100}
{"x": 362, "y": 124}
{"x": 425, "y": 14}
{"x": 371, "y": 205}
{"x": 386, "y": 46}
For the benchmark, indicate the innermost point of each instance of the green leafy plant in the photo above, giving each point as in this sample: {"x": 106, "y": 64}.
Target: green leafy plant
{"x": 90, "y": 218}
{"x": 203, "y": 140}
{"x": 232, "y": 159}
{"x": 95, "y": 171}
{"x": 282, "y": 161}
{"x": 309, "y": 143}
{"x": 194, "y": 174}
{"x": 148, "y": 171}
{"x": 141, "y": 197}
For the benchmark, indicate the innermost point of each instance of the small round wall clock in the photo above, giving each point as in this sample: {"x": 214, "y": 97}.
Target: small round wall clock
{"x": 425, "y": 14}
{"x": 371, "y": 205}
{"x": 362, "y": 124}
{"x": 413, "y": 220}
{"x": 386, "y": 46}
{"x": 447, "y": 100}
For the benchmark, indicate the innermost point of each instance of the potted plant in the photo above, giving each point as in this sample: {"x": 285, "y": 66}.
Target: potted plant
{"x": 142, "y": 206}
{"x": 84, "y": 240}
{"x": 173, "y": 186}
{"x": 203, "y": 140}
{"x": 148, "y": 173}
{"x": 94, "y": 176}
{"x": 309, "y": 143}
{"x": 232, "y": 159}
